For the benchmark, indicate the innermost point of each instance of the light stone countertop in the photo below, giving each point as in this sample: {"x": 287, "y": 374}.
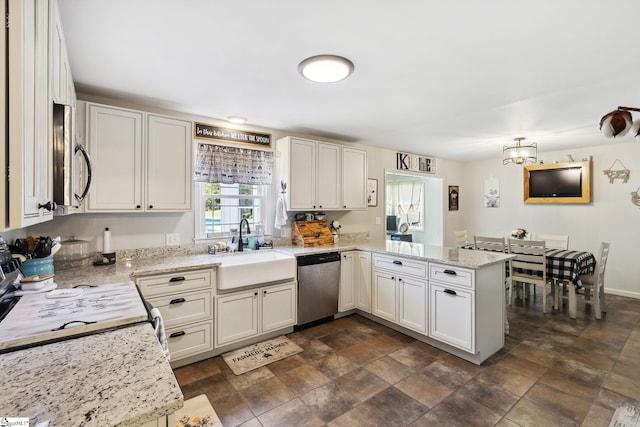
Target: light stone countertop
{"x": 116, "y": 378}
{"x": 120, "y": 378}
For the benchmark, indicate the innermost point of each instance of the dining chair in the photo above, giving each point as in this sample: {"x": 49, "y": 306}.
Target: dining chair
{"x": 461, "y": 238}
{"x": 529, "y": 267}
{"x": 592, "y": 286}
{"x": 554, "y": 241}
{"x": 494, "y": 244}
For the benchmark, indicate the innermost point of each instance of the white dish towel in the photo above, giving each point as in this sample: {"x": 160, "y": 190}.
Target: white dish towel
{"x": 281, "y": 213}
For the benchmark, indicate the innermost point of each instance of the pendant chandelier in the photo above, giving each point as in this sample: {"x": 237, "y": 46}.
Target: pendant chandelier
{"x": 520, "y": 154}
{"x": 619, "y": 122}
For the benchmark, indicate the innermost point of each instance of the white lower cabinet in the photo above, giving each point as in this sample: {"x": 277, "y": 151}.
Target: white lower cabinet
{"x": 452, "y": 316}
{"x": 166, "y": 421}
{"x": 246, "y": 314}
{"x": 185, "y": 301}
{"x": 355, "y": 281}
{"x": 400, "y": 291}
{"x": 412, "y": 308}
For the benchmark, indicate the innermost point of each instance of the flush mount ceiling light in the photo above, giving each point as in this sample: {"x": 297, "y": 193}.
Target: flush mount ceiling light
{"x": 326, "y": 68}
{"x": 237, "y": 120}
{"x": 619, "y": 123}
{"x": 520, "y": 154}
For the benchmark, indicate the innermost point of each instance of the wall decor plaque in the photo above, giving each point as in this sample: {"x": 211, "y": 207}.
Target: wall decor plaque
{"x": 219, "y": 133}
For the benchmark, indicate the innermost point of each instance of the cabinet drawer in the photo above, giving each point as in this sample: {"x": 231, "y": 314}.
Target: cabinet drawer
{"x": 183, "y": 308}
{"x": 190, "y": 340}
{"x": 451, "y": 275}
{"x": 175, "y": 282}
{"x": 400, "y": 265}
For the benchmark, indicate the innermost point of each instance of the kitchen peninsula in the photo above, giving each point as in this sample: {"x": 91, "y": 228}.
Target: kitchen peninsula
{"x": 120, "y": 378}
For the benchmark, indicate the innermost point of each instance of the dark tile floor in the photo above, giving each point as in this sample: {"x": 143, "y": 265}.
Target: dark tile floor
{"x": 553, "y": 371}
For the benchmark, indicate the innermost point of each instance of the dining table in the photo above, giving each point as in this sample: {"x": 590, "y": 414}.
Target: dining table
{"x": 566, "y": 266}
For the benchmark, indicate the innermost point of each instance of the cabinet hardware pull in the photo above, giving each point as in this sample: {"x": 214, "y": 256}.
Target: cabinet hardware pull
{"x": 177, "y": 279}
{"x": 396, "y": 262}
{"x": 177, "y": 334}
{"x": 450, "y": 292}
{"x": 50, "y": 206}
{"x": 452, "y": 272}
{"x": 177, "y": 301}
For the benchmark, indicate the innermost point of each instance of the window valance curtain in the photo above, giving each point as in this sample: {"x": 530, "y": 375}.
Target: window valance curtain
{"x": 232, "y": 165}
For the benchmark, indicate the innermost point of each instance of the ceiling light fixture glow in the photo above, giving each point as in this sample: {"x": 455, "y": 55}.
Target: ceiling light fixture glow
{"x": 237, "y": 120}
{"x": 326, "y": 68}
{"x": 520, "y": 154}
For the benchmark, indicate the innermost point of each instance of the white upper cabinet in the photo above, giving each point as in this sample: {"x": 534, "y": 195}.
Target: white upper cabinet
{"x": 321, "y": 175}
{"x": 354, "y": 178}
{"x": 29, "y": 112}
{"x": 169, "y": 159}
{"x": 329, "y": 177}
{"x": 114, "y": 140}
{"x": 61, "y": 81}
{"x": 136, "y": 168}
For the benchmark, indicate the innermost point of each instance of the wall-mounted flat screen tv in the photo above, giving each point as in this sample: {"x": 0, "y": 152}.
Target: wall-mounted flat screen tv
{"x": 558, "y": 183}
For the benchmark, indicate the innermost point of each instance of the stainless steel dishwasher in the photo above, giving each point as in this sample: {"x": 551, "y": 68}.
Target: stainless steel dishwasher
{"x": 318, "y": 281}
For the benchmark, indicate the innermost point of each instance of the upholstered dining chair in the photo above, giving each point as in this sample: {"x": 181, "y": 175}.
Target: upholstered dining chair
{"x": 554, "y": 241}
{"x": 461, "y": 238}
{"x": 593, "y": 286}
{"x": 529, "y": 267}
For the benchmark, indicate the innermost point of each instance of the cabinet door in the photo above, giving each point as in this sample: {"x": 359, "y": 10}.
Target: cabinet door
{"x": 115, "y": 145}
{"x": 354, "y": 178}
{"x": 384, "y": 296}
{"x": 363, "y": 281}
{"x": 413, "y": 304}
{"x": 60, "y": 72}
{"x": 302, "y": 183}
{"x": 169, "y": 159}
{"x": 347, "y": 283}
{"x": 30, "y": 150}
{"x": 329, "y": 181}
{"x": 236, "y": 317}
{"x": 278, "y": 307}
{"x": 451, "y": 316}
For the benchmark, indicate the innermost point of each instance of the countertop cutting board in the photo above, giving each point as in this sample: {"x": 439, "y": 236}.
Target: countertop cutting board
{"x": 32, "y": 319}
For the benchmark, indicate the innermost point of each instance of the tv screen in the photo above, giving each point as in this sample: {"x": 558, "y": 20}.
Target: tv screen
{"x": 565, "y": 182}
{"x": 568, "y": 182}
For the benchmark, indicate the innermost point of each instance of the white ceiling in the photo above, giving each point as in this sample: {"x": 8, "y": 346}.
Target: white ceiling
{"x": 450, "y": 79}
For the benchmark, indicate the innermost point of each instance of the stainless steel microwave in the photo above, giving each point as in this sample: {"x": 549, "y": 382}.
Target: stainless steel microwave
{"x": 71, "y": 163}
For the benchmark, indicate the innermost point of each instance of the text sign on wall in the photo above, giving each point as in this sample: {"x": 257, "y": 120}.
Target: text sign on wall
{"x": 413, "y": 162}
{"x": 217, "y": 133}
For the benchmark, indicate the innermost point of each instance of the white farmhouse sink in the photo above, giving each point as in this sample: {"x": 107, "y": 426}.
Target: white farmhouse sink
{"x": 246, "y": 269}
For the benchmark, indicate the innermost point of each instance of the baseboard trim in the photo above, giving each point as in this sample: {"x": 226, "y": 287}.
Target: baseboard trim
{"x": 622, "y": 293}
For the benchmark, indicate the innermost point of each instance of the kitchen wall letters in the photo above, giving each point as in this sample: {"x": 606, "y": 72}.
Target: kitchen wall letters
{"x": 217, "y": 133}
{"x": 413, "y": 162}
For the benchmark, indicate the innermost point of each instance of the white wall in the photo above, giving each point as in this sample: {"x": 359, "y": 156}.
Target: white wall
{"x": 610, "y": 216}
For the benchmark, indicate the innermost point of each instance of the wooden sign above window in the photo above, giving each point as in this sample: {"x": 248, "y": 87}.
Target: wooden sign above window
{"x": 415, "y": 163}
{"x": 217, "y": 133}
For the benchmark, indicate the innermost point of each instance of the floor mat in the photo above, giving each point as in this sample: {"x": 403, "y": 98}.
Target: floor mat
{"x": 197, "y": 412}
{"x": 256, "y": 355}
{"x": 626, "y": 416}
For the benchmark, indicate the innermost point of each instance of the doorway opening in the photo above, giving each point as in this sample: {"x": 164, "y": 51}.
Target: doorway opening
{"x": 413, "y": 208}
